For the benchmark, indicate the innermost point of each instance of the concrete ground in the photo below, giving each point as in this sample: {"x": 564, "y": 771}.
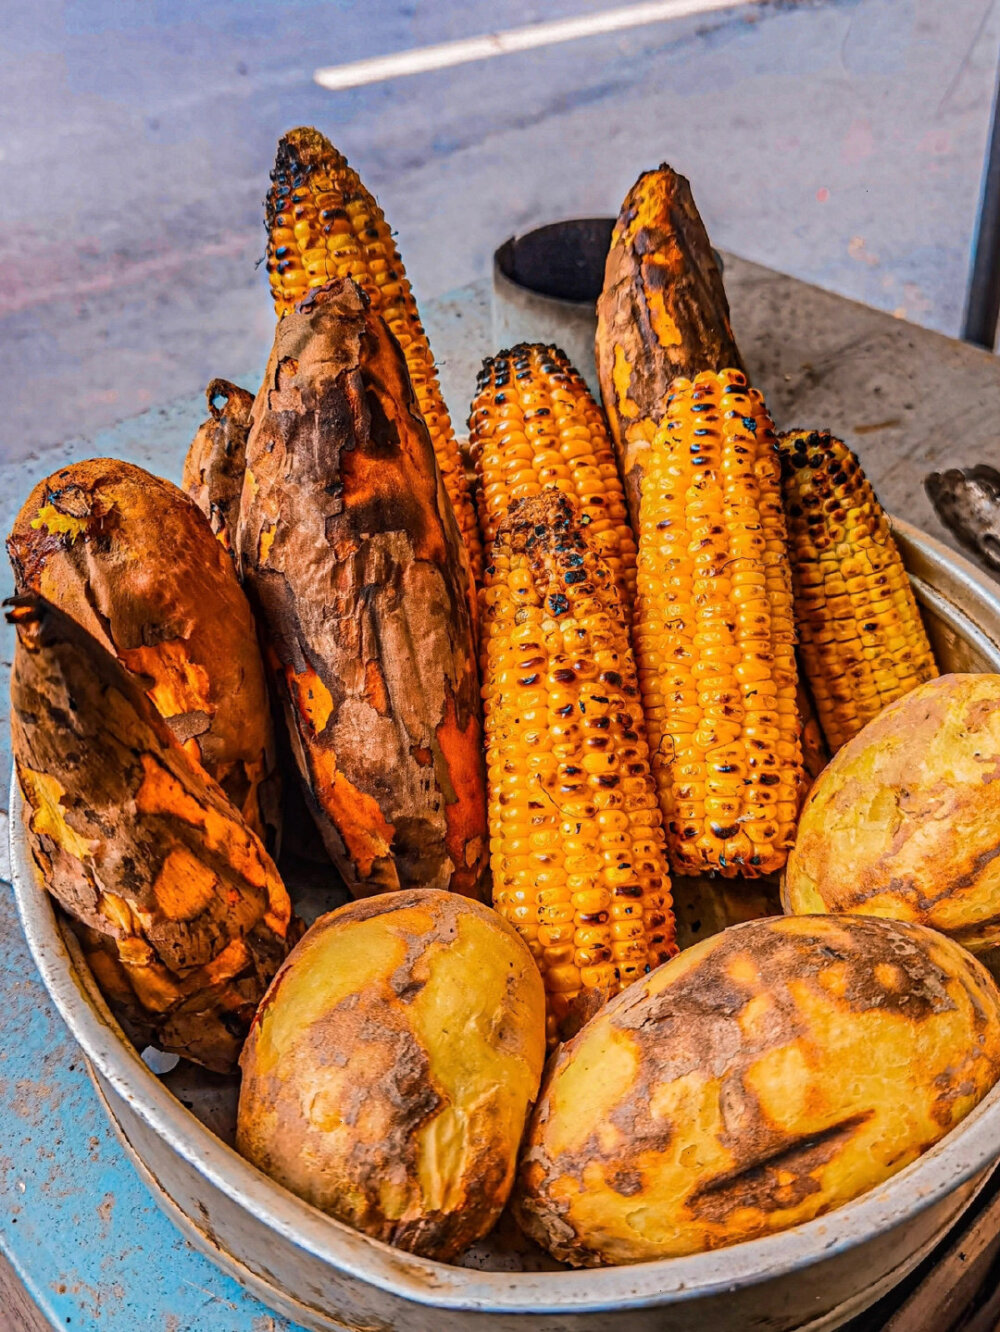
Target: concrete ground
{"x": 838, "y": 140}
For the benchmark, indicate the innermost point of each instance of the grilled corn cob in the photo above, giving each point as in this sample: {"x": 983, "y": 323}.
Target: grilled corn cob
{"x": 322, "y": 223}
{"x": 662, "y": 313}
{"x": 576, "y": 841}
{"x": 863, "y": 644}
{"x": 534, "y": 424}
{"x": 714, "y": 631}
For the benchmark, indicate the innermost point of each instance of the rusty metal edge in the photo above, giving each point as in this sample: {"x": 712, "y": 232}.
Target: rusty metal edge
{"x": 967, "y": 1150}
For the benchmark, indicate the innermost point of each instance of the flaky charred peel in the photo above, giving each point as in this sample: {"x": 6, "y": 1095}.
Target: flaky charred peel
{"x": 351, "y": 553}
{"x": 131, "y": 559}
{"x": 663, "y": 313}
{"x": 182, "y": 914}
{"x": 213, "y": 468}
{"x": 322, "y": 224}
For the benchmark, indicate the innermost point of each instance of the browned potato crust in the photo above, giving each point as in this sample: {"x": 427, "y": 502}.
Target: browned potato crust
{"x": 183, "y": 916}
{"x": 761, "y": 1078}
{"x": 352, "y": 558}
{"x": 391, "y": 1066}
{"x": 905, "y": 820}
{"x": 215, "y": 462}
{"x": 132, "y": 560}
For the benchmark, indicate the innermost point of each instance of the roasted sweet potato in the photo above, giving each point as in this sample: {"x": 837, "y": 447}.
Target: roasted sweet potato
{"x": 760, "y": 1079}
{"x": 391, "y": 1066}
{"x": 183, "y": 915}
{"x": 130, "y": 557}
{"x": 350, "y": 553}
{"x": 213, "y": 468}
{"x": 663, "y": 312}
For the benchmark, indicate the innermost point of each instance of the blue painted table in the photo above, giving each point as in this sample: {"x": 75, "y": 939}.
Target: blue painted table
{"x": 76, "y": 1225}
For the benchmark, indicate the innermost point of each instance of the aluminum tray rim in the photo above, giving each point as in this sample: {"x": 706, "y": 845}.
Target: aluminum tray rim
{"x": 972, "y": 1146}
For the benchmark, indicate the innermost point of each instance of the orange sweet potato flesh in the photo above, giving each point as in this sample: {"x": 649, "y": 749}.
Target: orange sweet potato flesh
{"x": 663, "y": 312}
{"x": 351, "y": 555}
{"x": 213, "y": 468}
{"x": 181, "y": 911}
{"x": 132, "y": 560}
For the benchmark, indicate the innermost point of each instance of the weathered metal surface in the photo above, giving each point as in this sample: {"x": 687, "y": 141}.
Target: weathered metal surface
{"x": 328, "y": 1276}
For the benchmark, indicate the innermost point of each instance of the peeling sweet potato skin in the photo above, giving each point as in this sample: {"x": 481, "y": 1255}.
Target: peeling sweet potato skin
{"x": 760, "y": 1079}
{"x": 663, "y": 312}
{"x": 131, "y": 559}
{"x": 905, "y": 820}
{"x": 215, "y": 462}
{"x": 351, "y": 556}
{"x": 180, "y": 909}
{"x": 391, "y": 1067}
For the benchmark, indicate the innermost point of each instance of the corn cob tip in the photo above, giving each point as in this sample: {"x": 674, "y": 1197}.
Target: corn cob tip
{"x": 534, "y": 424}
{"x": 862, "y": 641}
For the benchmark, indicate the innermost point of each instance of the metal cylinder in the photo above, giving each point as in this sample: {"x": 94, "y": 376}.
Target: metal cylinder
{"x": 545, "y": 288}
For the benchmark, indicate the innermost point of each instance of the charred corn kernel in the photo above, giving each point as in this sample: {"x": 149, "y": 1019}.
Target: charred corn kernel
{"x": 862, "y": 642}
{"x": 714, "y": 631}
{"x": 576, "y": 841}
{"x": 534, "y": 424}
{"x": 322, "y": 224}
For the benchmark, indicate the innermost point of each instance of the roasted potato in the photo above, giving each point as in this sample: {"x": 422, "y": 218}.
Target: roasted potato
{"x": 763, "y": 1077}
{"x": 392, "y": 1064}
{"x": 131, "y": 559}
{"x": 905, "y": 820}
{"x": 182, "y": 914}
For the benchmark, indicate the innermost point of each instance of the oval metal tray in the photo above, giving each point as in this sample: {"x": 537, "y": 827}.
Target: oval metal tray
{"x": 324, "y": 1275}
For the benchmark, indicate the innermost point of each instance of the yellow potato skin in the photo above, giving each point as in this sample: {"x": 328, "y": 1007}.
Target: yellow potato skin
{"x": 762, "y": 1077}
{"x": 391, "y": 1066}
{"x": 905, "y": 820}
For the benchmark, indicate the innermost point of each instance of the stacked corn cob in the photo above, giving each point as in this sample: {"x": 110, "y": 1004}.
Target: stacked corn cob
{"x": 534, "y": 424}
{"x": 714, "y": 631}
{"x": 323, "y": 224}
{"x": 863, "y": 644}
{"x": 576, "y": 840}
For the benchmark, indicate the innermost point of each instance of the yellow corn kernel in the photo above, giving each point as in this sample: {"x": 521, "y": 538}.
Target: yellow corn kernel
{"x": 714, "y": 632}
{"x": 862, "y": 642}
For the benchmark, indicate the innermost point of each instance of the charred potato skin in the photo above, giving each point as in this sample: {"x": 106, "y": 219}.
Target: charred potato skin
{"x": 216, "y": 460}
{"x": 353, "y": 1090}
{"x": 758, "y": 1080}
{"x": 132, "y": 560}
{"x": 352, "y": 558}
{"x": 180, "y": 910}
{"x": 905, "y": 820}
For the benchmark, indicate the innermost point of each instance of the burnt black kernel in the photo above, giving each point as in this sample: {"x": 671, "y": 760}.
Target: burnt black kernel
{"x": 575, "y": 576}
{"x": 565, "y": 675}
{"x": 724, "y": 830}
{"x": 558, "y": 604}
{"x": 609, "y": 782}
